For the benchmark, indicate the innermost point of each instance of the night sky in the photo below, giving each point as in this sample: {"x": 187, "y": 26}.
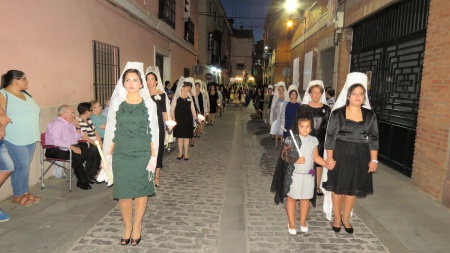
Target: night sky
{"x": 248, "y": 13}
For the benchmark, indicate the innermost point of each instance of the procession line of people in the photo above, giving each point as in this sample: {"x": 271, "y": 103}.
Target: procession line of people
{"x": 327, "y": 151}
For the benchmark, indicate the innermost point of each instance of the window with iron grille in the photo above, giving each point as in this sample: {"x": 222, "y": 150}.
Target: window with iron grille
{"x": 167, "y": 11}
{"x": 187, "y": 72}
{"x": 106, "y": 70}
{"x": 189, "y": 31}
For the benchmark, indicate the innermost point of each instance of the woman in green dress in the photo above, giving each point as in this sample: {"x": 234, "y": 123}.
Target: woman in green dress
{"x": 131, "y": 146}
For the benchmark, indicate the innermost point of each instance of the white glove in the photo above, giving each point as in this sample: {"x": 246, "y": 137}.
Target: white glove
{"x": 108, "y": 160}
{"x": 103, "y": 175}
{"x": 152, "y": 164}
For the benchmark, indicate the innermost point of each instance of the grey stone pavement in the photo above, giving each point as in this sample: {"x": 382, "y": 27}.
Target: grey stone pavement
{"x": 219, "y": 201}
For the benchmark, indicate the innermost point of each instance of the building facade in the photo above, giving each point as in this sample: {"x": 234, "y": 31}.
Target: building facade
{"x": 400, "y": 45}
{"x": 277, "y": 40}
{"x": 214, "y": 42}
{"x": 242, "y": 53}
{"x": 74, "y": 51}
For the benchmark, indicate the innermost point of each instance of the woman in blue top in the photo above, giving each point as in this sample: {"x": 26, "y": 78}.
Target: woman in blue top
{"x": 289, "y": 111}
{"x": 98, "y": 119}
{"x": 22, "y": 134}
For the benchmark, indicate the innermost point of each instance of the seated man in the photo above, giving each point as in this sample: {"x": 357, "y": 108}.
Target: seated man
{"x": 64, "y": 132}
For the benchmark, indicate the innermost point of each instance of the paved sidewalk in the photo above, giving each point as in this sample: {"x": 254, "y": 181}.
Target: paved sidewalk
{"x": 219, "y": 201}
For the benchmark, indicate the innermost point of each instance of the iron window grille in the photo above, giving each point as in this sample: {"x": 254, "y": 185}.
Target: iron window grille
{"x": 189, "y": 31}
{"x": 167, "y": 11}
{"x": 106, "y": 70}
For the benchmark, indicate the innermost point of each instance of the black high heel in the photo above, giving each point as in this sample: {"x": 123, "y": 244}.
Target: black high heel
{"x": 336, "y": 229}
{"x": 135, "y": 242}
{"x": 348, "y": 230}
{"x": 124, "y": 242}
{"x": 179, "y": 157}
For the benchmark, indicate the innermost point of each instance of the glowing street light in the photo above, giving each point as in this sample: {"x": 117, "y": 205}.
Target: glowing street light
{"x": 291, "y": 5}
{"x": 290, "y": 23}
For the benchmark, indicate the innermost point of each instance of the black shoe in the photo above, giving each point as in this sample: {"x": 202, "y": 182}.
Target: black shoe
{"x": 135, "y": 242}
{"x": 124, "y": 242}
{"x": 192, "y": 144}
{"x": 336, "y": 229}
{"x": 348, "y": 230}
{"x": 179, "y": 157}
{"x": 92, "y": 181}
{"x": 83, "y": 185}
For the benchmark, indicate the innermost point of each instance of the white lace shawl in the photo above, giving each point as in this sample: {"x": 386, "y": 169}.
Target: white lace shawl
{"x": 160, "y": 87}
{"x": 307, "y": 97}
{"x": 352, "y": 78}
{"x": 275, "y": 98}
{"x": 118, "y": 97}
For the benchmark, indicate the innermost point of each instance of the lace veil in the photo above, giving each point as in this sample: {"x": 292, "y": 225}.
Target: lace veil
{"x": 160, "y": 86}
{"x": 352, "y": 78}
{"x": 118, "y": 97}
{"x": 307, "y": 97}
{"x": 275, "y": 98}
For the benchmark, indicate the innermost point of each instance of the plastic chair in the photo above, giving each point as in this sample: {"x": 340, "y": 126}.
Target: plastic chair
{"x": 53, "y": 161}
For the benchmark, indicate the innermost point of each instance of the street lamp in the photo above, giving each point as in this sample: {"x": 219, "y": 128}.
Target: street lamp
{"x": 290, "y": 6}
{"x": 289, "y": 23}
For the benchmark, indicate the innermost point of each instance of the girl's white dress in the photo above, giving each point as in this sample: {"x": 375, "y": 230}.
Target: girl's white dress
{"x": 302, "y": 186}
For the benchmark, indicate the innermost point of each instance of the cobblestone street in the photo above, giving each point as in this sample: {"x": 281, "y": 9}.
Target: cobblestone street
{"x": 185, "y": 214}
{"x": 219, "y": 202}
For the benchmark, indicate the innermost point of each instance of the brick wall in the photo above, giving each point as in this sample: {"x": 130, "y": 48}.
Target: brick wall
{"x": 431, "y": 158}
{"x": 310, "y": 44}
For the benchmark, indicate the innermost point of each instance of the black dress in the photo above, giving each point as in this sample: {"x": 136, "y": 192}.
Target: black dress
{"x": 200, "y": 103}
{"x": 160, "y": 108}
{"x": 319, "y": 116}
{"x": 213, "y": 102}
{"x": 351, "y": 142}
{"x": 184, "y": 118}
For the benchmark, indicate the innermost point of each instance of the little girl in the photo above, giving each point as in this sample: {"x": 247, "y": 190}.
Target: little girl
{"x": 300, "y": 174}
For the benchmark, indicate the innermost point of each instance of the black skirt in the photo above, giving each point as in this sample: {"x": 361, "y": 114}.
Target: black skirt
{"x": 350, "y": 175}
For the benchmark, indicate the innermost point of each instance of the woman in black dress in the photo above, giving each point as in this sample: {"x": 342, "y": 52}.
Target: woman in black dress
{"x": 158, "y": 95}
{"x": 213, "y": 102}
{"x": 183, "y": 112}
{"x": 201, "y": 104}
{"x": 352, "y": 145}
{"x": 314, "y": 106}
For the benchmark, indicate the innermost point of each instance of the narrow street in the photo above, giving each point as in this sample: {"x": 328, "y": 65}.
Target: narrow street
{"x": 219, "y": 201}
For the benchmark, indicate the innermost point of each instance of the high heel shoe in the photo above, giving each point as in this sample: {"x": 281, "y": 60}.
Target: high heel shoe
{"x": 135, "y": 242}
{"x": 124, "y": 242}
{"x": 179, "y": 157}
{"x": 336, "y": 229}
{"x": 348, "y": 230}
